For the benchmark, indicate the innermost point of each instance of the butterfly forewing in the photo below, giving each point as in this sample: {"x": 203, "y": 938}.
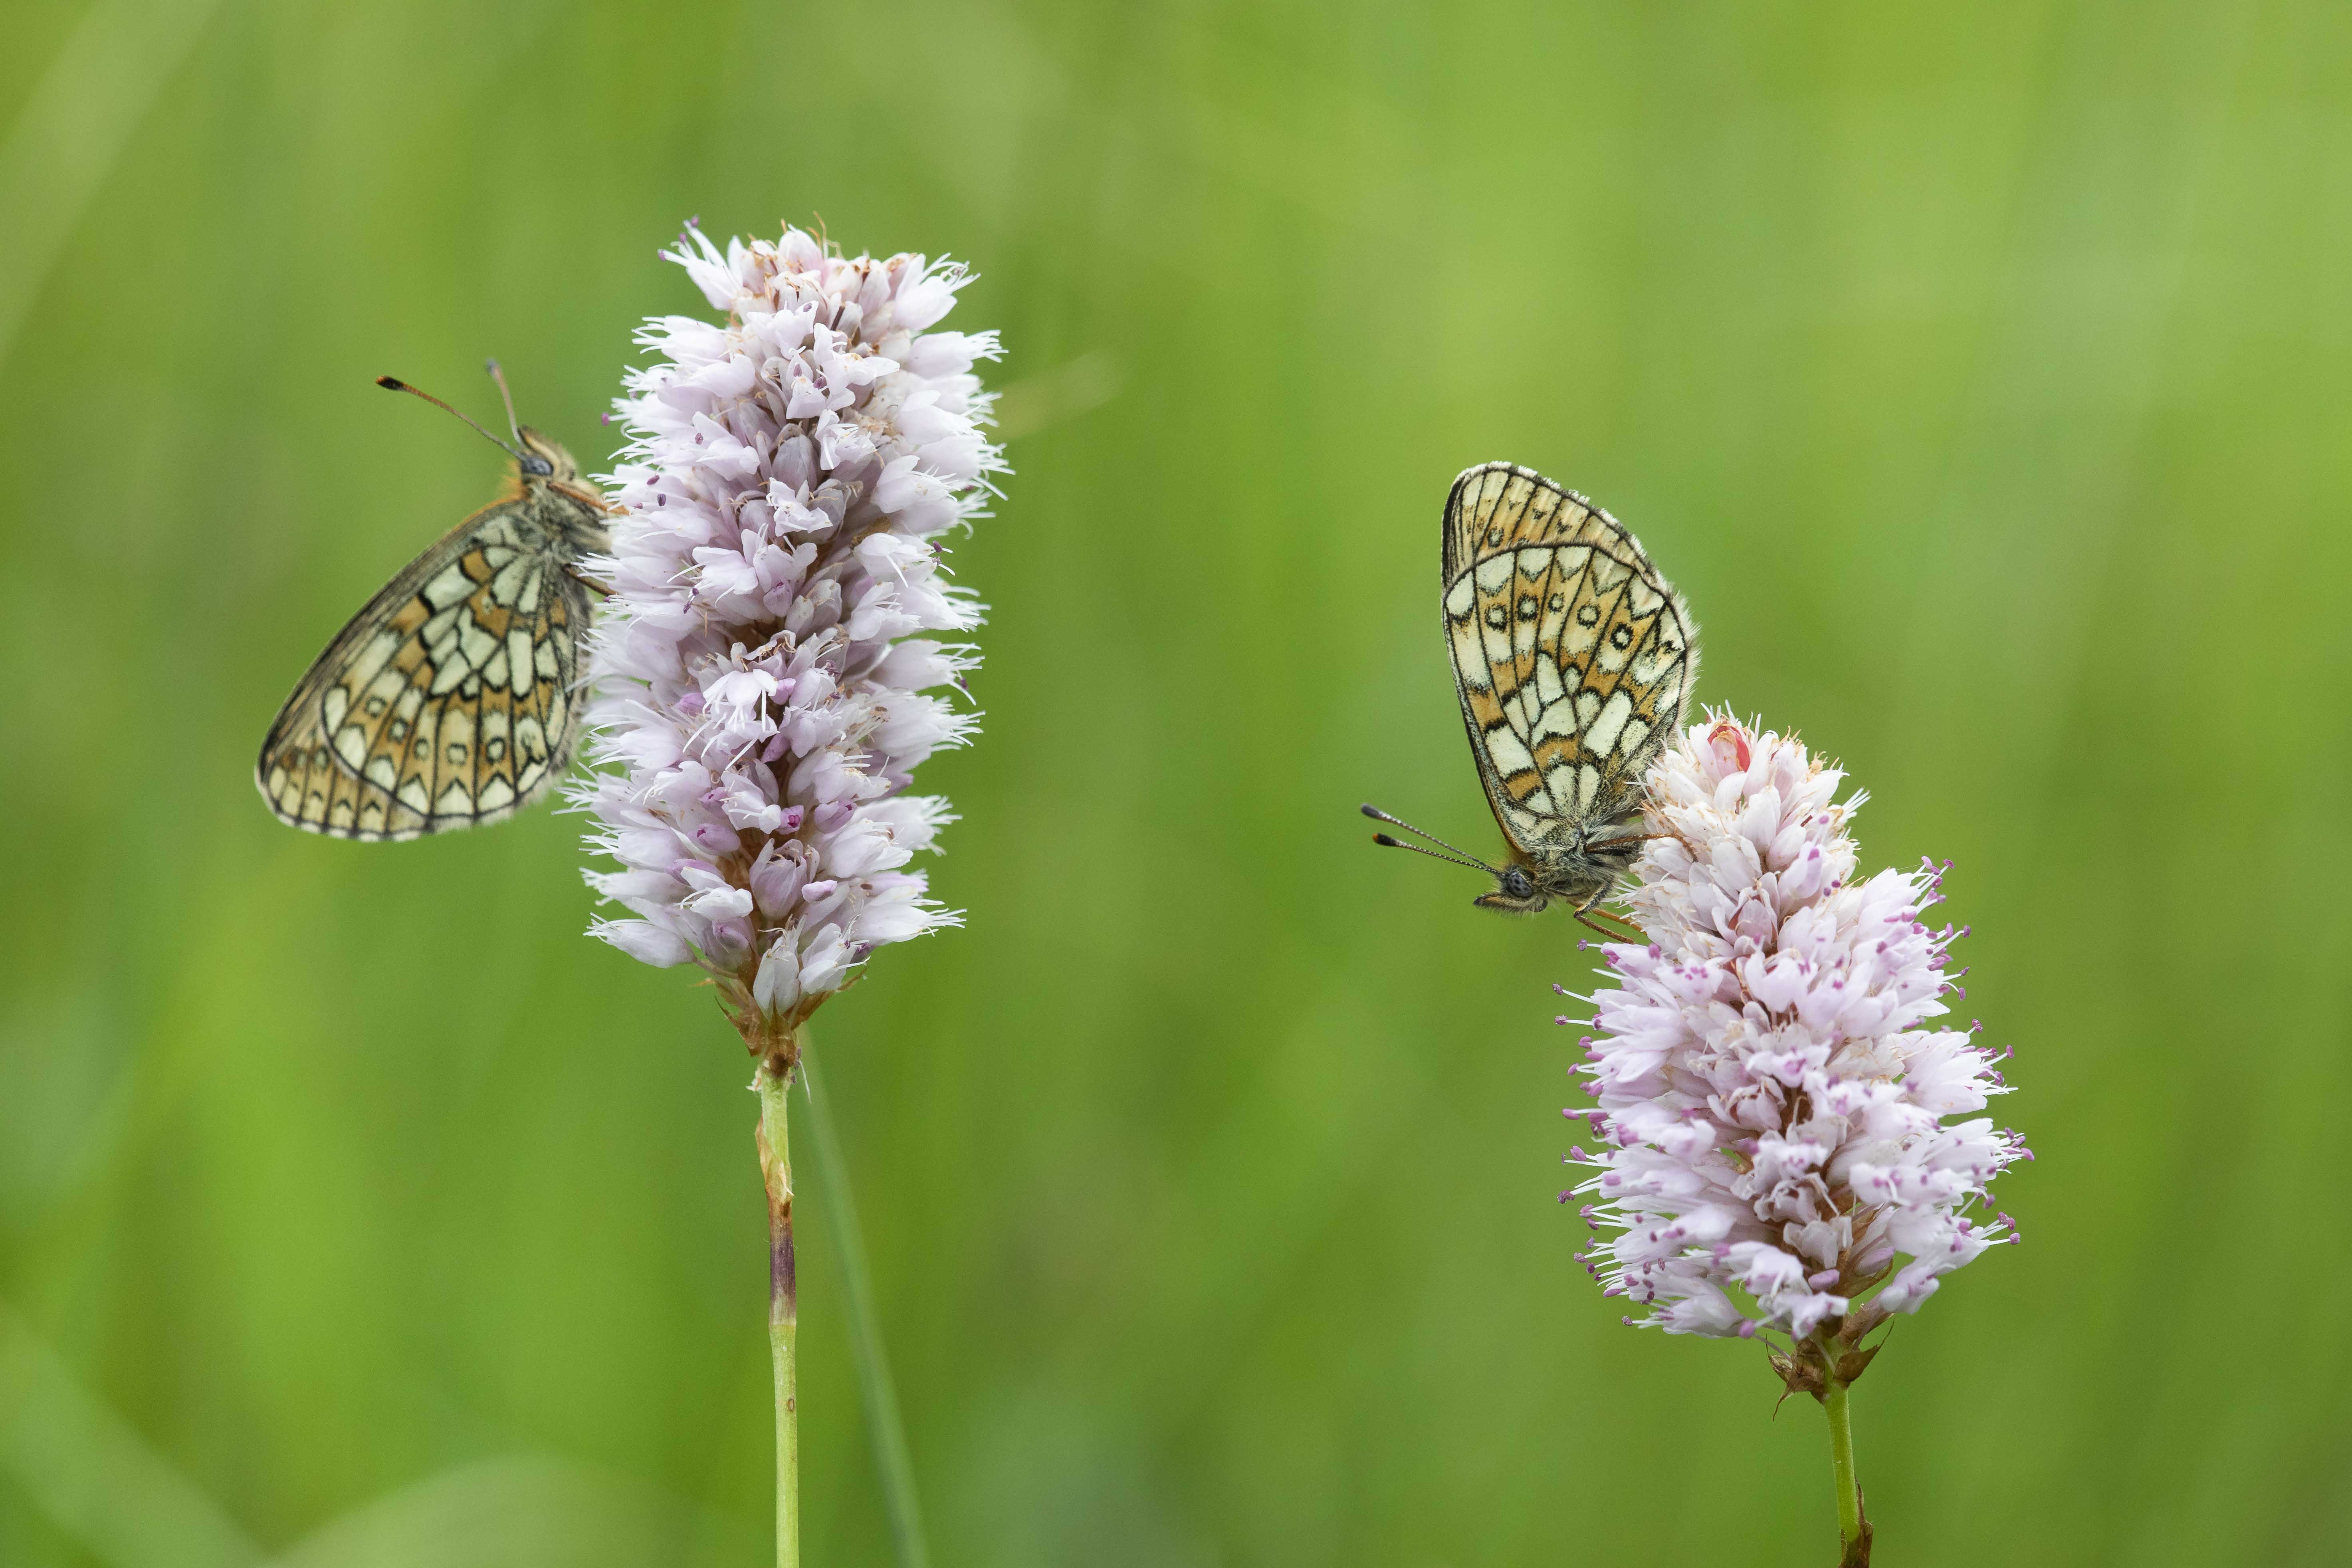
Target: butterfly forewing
{"x": 449, "y": 702}
{"x": 1573, "y": 657}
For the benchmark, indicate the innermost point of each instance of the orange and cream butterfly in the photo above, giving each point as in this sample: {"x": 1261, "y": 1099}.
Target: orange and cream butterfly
{"x": 1574, "y": 661}
{"x": 450, "y": 700}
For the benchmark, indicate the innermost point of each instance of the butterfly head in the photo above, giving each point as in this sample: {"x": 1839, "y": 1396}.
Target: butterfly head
{"x": 540, "y": 459}
{"x": 1580, "y": 875}
{"x": 1515, "y": 892}
{"x": 545, "y": 471}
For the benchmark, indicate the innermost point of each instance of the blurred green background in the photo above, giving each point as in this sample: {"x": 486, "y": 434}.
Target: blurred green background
{"x": 1980, "y": 373}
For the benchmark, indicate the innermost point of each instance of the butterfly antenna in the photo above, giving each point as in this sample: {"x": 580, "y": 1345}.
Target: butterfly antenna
{"x": 1456, "y": 857}
{"x": 505, "y": 396}
{"x": 1377, "y": 815}
{"x": 1386, "y": 842}
{"x": 392, "y": 383}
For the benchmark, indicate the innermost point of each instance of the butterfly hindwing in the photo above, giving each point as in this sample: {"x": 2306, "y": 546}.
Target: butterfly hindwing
{"x": 447, "y": 701}
{"x": 1574, "y": 659}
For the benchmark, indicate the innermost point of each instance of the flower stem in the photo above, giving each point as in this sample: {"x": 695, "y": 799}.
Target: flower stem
{"x": 1852, "y": 1534}
{"x": 882, "y": 1417}
{"x": 784, "y": 1304}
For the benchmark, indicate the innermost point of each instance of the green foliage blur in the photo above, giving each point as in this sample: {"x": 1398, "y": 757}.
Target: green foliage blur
{"x": 1980, "y": 373}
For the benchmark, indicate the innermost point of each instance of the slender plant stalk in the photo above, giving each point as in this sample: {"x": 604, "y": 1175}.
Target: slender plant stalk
{"x": 783, "y": 1306}
{"x": 882, "y": 1418}
{"x": 1851, "y": 1534}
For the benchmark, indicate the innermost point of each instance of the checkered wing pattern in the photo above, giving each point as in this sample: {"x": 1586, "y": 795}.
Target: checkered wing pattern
{"x": 1574, "y": 659}
{"x": 449, "y": 702}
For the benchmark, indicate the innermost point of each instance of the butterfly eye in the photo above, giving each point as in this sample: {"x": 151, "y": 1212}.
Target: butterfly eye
{"x": 532, "y": 463}
{"x": 1517, "y": 883}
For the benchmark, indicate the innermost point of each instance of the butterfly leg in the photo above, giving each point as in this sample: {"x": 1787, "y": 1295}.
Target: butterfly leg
{"x": 1643, "y": 838}
{"x": 1626, "y": 838}
{"x": 1589, "y": 913}
{"x": 587, "y": 582}
{"x": 1590, "y": 924}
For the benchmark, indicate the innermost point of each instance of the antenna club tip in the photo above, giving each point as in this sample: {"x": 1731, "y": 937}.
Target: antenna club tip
{"x": 491, "y": 365}
{"x": 392, "y": 383}
{"x": 1385, "y": 842}
{"x": 1369, "y": 809}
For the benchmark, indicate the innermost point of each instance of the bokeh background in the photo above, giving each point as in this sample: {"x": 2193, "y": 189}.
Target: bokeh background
{"x": 1982, "y": 374}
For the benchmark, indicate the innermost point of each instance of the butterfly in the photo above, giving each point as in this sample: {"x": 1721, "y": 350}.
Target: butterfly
{"x": 1574, "y": 661}
{"x": 449, "y": 700}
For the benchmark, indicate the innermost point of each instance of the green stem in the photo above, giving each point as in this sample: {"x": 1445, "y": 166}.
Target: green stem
{"x": 882, "y": 1417}
{"x": 783, "y": 1306}
{"x": 1849, "y": 1497}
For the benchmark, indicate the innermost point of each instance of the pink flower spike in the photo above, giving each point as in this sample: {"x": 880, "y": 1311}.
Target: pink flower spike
{"x": 767, "y": 673}
{"x": 1780, "y": 1106}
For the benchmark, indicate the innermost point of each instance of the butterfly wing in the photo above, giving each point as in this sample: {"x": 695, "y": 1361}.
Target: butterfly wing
{"x": 1573, "y": 657}
{"x": 447, "y": 701}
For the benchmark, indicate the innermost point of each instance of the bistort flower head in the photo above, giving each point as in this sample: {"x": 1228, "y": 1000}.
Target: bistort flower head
{"x": 764, "y": 684}
{"x": 1772, "y": 1086}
